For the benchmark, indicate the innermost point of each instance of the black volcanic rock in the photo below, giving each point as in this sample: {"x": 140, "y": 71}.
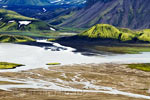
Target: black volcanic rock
{"x": 134, "y": 14}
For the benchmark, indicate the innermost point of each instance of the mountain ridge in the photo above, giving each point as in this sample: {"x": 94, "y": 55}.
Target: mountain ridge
{"x": 120, "y": 13}
{"x": 41, "y": 2}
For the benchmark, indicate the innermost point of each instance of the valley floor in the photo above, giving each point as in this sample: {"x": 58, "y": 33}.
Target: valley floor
{"x": 77, "y": 82}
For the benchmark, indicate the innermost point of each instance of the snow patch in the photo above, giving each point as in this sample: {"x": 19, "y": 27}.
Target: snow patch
{"x": 24, "y": 23}
{"x": 11, "y": 21}
{"x": 4, "y": 6}
{"x": 52, "y": 29}
{"x": 44, "y": 10}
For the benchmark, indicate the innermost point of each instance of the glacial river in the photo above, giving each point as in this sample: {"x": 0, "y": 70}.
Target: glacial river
{"x": 43, "y": 52}
{"x": 38, "y": 56}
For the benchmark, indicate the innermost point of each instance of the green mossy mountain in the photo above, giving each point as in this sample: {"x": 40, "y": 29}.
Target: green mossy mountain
{"x": 103, "y": 31}
{"x": 106, "y": 31}
{"x": 11, "y": 21}
{"x": 4, "y": 38}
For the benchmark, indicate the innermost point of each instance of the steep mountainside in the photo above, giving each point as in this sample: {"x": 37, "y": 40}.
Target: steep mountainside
{"x": 12, "y": 21}
{"x": 42, "y": 2}
{"x": 133, "y": 14}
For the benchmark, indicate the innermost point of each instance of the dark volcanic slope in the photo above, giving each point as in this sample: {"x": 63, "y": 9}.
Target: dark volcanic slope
{"x": 133, "y": 14}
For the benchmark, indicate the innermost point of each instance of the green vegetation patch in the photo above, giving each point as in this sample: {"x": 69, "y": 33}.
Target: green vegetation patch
{"x": 6, "y": 65}
{"x": 51, "y": 40}
{"x": 127, "y": 37}
{"x": 145, "y": 35}
{"x": 122, "y": 49}
{"x": 11, "y": 15}
{"x": 143, "y": 67}
{"x": 53, "y": 64}
{"x": 4, "y": 38}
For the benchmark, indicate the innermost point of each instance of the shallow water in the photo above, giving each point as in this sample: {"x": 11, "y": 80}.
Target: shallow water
{"x": 38, "y": 56}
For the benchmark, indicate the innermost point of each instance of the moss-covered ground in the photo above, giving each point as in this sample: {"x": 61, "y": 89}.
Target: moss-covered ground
{"x": 122, "y": 49}
{"x": 142, "y": 66}
{"x": 53, "y": 64}
{"x": 7, "y": 65}
{"x": 14, "y": 38}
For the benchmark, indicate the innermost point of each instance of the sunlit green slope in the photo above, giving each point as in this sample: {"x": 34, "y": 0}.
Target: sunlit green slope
{"x": 14, "y": 38}
{"x": 106, "y": 31}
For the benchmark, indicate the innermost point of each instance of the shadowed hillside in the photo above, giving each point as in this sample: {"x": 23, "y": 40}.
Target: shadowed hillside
{"x": 134, "y": 14}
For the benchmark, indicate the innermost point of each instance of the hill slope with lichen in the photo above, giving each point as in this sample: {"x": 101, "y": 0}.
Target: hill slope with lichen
{"x": 106, "y": 31}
